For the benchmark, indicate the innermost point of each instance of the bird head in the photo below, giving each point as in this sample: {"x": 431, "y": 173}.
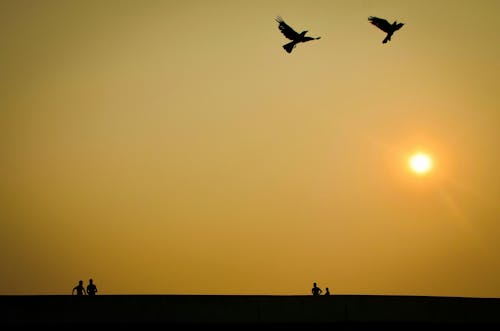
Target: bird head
{"x": 397, "y": 25}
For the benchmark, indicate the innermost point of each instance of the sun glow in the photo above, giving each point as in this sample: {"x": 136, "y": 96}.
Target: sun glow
{"x": 420, "y": 163}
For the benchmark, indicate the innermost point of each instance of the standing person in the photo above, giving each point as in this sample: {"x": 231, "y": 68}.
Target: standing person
{"x": 316, "y": 290}
{"x": 327, "y": 291}
{"x": 79, "y": 289}
{"x": 91, "y": 288}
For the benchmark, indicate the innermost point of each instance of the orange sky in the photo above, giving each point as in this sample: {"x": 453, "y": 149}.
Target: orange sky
{"x": 174, "y": 147}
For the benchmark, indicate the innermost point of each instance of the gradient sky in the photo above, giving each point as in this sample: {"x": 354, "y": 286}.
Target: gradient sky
{"x": 174, "y": 147}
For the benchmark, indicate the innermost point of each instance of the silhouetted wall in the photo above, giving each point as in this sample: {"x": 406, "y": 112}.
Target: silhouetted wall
{"x": 235, "y": 309}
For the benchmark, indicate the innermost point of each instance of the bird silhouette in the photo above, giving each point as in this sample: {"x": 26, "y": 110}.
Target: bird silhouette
{"x": 293, "y": 35}
{"x": 385, "y": 26}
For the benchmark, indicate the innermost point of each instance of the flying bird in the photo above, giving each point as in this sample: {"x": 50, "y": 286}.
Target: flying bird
{"x": 293, "y": 35}
{"x": 385, "y": 26}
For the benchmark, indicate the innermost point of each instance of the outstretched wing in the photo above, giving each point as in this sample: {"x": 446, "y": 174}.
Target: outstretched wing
{"x": 287, "y": 30}
{"x": 380, "y": 23}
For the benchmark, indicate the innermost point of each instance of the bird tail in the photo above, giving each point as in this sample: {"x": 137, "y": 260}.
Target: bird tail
{"x": 387, "y": 38}
{"x": 290, "y": 46}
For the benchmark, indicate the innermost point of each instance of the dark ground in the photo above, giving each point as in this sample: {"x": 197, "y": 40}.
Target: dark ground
{"x": 235, "y": 312}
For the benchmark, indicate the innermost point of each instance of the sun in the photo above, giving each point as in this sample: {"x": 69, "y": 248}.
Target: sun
{"x": 420, "y": 163}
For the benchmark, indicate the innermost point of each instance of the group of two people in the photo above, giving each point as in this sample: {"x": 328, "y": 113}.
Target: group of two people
{"x": 81, "y": 290}
{"x": 317, "y": 290}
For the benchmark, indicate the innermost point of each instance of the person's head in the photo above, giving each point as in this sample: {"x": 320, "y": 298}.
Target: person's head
{"x": 90, "y": 281}
{"x": 80, "y": 282}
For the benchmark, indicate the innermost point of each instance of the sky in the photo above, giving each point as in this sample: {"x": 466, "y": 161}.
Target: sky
{"x": 174, "y": 147}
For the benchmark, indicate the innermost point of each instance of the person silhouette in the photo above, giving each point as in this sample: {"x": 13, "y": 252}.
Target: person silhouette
{"x": 316, "y": 290}
{"x": 327, "y": 291}
{"x": 79, "y": 289}
{"x": 91, "y": 288}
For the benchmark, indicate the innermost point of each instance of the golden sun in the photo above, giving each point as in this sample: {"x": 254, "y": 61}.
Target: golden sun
{"x": 420, "y": 163}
